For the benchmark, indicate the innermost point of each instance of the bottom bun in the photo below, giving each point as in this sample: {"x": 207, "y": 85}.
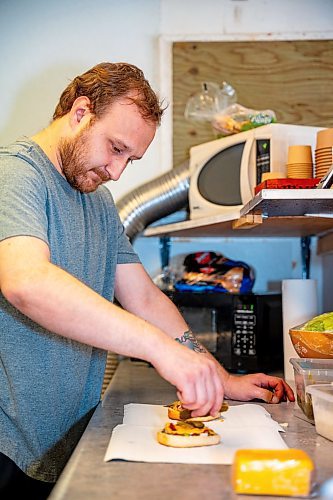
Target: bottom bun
{"x": 179, "y": 441}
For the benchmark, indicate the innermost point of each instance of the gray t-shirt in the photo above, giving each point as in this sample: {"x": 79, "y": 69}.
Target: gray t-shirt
{"x": 49, "y": 384}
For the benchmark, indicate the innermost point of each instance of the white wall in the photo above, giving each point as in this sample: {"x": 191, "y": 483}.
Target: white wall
{"x": 272, "y": 259}
{"x": 246, "y": 17}
{"x": 43, "y": 45}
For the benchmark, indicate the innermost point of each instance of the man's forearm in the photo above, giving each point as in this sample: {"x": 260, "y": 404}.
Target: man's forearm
{"x": 156, "y": 308}
{"x": 62, "y": 304}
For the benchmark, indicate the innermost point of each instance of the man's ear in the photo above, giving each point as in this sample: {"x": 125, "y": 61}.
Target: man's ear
{"x": 80, "y": 111}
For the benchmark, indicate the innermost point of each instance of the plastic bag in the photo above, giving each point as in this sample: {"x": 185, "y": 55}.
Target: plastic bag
{"x": 211, "y": 271}
{"x": 204, "y": 105}
{"x": 236, "y": 118}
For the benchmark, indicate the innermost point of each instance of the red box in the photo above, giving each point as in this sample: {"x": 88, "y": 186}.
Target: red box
{"x": 287, "y": 184}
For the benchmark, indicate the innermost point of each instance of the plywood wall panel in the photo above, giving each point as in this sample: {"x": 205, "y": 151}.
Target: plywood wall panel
{"x": 293, "y": 78}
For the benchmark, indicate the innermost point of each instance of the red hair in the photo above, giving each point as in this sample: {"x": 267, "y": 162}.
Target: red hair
{"x": 107, "y": 82}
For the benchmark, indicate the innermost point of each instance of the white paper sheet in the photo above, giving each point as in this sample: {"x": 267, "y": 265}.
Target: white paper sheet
{"x": 243, "y": 426}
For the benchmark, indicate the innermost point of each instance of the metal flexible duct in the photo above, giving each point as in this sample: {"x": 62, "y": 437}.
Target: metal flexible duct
{"x": 155, "y": 199}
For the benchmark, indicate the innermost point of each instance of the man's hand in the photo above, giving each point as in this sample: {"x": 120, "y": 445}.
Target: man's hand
{"x": 196, "y": 377}
{"x": 246, "y": 387}
{"x": 258, "y": 386}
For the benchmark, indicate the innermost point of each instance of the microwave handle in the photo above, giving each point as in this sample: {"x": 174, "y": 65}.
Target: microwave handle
{"x": 245, "y": 174}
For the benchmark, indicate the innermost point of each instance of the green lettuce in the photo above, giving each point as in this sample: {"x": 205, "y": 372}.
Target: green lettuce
{"x": 321, "y": 323}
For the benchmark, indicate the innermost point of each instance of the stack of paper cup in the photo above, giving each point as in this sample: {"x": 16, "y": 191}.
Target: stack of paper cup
{"x": 300, "y": 164}
{"x": 299, "y": 304}
{"x": 323, "y": 153}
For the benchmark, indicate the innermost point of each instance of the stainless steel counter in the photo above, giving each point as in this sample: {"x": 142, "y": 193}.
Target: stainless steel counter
{"x": 86, "y": 476}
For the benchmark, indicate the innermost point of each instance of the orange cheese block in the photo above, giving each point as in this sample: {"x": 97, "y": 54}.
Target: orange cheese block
{"x": 272, "y": 472}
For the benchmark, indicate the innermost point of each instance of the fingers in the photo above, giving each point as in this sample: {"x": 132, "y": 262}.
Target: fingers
{"x": 210, "y": 395}
{"x": 289, "y": 393}
{"x": 198, "y": 397}
{"x": 269, "y": 397}
{"x": 219, "y": 395}
{"x": 282, "y": 390}
{"x": 263, "y": 394}
{"x": 202, "y": 393}
{"x": 259, "y": 386}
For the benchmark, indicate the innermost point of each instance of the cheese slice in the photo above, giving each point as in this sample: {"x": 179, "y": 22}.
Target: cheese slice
{"x": 187, "y": 429}
{"x": 272, "y": 472}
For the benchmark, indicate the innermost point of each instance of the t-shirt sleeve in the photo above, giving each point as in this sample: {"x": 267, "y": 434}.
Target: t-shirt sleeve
{"x": 22, "y": 200}
{"x": 126, "y": 253}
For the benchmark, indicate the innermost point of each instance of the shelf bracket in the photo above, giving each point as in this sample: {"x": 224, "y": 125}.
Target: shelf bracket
{"x": 164, "y": 244}
{"x": 306, "y": 256}
{"x": 247, "y": 221}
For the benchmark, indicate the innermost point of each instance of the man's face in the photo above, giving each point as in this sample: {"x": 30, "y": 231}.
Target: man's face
{"x": 101, "y": 148}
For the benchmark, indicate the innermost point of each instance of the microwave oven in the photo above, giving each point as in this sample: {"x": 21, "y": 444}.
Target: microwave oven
{"x": 224, "y": 172}
{"x": 244, "y": 332}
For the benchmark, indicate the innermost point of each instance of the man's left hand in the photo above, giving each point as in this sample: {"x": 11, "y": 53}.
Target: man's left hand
{"x": 258, "y": 386}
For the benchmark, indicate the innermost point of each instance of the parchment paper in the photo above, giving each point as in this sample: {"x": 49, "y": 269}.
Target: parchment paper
{"x": 244, "y": 426}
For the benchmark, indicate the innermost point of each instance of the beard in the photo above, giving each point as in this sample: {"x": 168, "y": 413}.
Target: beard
{"x": 73, "y": 155}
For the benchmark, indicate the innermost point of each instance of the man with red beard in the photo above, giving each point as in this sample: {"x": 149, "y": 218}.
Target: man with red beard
{"x": 64, "y": 257}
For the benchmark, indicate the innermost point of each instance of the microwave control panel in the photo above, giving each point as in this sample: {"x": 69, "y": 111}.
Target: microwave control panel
{"x": 243, "y": 331}
{"x": 263, "y": 157}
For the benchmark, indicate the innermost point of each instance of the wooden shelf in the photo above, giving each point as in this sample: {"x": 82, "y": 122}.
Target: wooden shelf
{"x": 274, "y": 212}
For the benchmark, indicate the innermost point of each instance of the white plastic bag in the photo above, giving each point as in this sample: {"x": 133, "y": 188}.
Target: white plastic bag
{"x": 212, "y": 99}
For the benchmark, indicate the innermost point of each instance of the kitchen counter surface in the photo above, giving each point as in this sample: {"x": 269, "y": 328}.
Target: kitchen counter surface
{"x": 87, "y": 476}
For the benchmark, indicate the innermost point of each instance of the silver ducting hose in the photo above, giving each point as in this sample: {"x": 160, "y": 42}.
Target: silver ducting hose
{"x": 155, "y": 199}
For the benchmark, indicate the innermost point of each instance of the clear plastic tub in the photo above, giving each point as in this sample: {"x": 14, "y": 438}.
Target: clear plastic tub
{"x": 310, "y": 371}
{"x": 322, "y": 402}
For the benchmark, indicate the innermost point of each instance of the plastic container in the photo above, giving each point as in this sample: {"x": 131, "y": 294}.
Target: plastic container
{"x": 309, "y": 371}
{"x": 322, "y": 402}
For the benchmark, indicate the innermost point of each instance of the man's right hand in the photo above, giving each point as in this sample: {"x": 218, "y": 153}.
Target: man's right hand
{"x": 198, "y": 382}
